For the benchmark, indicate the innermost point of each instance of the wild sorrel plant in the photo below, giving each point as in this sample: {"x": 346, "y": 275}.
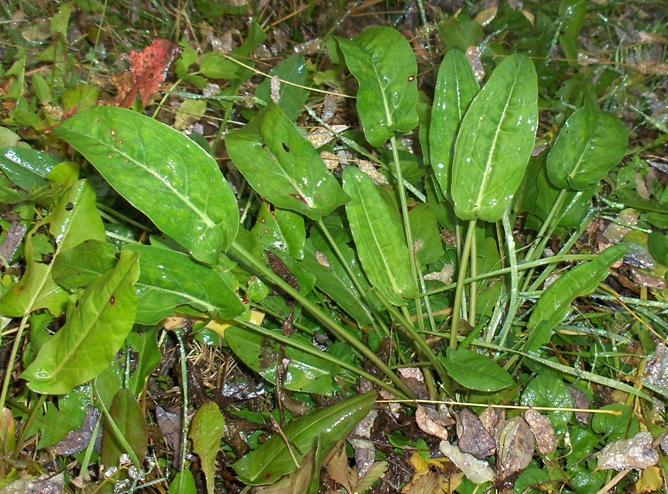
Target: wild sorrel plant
{"x": 320, "y": 252}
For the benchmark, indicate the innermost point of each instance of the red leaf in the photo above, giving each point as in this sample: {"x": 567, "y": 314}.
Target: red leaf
{"x": 148, "y": 70}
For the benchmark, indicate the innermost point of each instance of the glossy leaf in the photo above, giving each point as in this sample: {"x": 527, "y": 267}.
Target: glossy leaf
{"x": 95, "y": 330}
{"x": 26, "y": 167}
{"x": 379, "y": 238}
{"x": 169, "y": 279}
{"x": 383, "y": 63}
{"x": 332, "y": 278}
{"x": 282, "y": 166}
{"x": 282, "y": 234}
{"x": 547, "y": 389}
{"x": 207, "y": 429}
{"x": 145, "y": 345}
{"x": 144, "y": 160}
{"x": 304, "y": 373}
{"x": 590, "y": 143}
{"x": 74, "y": 220}
{"x": 555, "y": 303}
{"x": 291, "y": 98}
{"x": 495, "y": 141}
{"x": 272, "y": 460}
{"x": 127, "y": 415}
{"x": 426, "y": 236}
{"x": 456, "y": 86}
{"x": 477, "y": 372}
{"x": 80, "y": 265}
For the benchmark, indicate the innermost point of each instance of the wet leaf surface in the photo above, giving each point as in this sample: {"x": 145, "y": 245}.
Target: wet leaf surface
{"x": 636, "y": 452}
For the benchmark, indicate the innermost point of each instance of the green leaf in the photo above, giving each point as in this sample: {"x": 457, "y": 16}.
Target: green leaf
{"x": 207, "y": 429}
{"x": 495, "y": 141}
{"x": 304, "y": 373}
{"x": 183, "y": 483}
{"x": 460, "y": 32}
{"x": 456, "y": 87}
{"x": 216, "y": 66}
{"x": 589, "y": 145}
{"x": 556, "y": 301}
{"x": 148, "y": 357}
{"x": 93, "y": 333}
{"x": 282, "y": 166}
{"x": 79, "y": 266}
{"x": 658, "y": 247}
{"x": 616, "y": 427}
{"x": 143, "y": 160}
{"x": 169, "y": 279}
{"x": 426, "y": 236}
{"x": 127, "y": 415}
{"x": 26, "y": 167}
{"x": 282, "y": 239}
{"x": 571, "y": 17}
{"x": 379, "y": 238}
{"x": 383, "y": 63}
{"x": 332, "y": 278}
{"x": 291, "y": 98}
{"x": 74, "y": 220}
{"x": 477, "y": 372}
{"x": 548, "y": 390}
{"x": 271, "y": 461}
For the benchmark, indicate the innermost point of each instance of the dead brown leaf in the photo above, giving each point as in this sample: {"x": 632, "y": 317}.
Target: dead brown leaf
{"x": 433, "y": 421}
{"x": 543, "y": 432}
{"x": 636, "y": 452}
{"x": 516, "y": 446}
{"x": 148, "y": 70}
{"x": 472, "y": 437}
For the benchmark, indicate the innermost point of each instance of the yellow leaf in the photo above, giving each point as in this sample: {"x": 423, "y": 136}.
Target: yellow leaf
{"x": 650, "y": 480}
{"x": 219, "y": 327}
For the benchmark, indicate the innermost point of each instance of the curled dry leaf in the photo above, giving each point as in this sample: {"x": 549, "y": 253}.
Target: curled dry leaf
{"x": 472, "y": 436}
{"x": 543, "y": 432}
{"x": 323, "y": 135}
{"x": 580, "y": 400}
{"x": 365, "y": 451}
{"x": 331, "y": 160}
{"x": 477, "y": 471}
{"x": 369, "y": 168}
{"x": 78, "y": 440}
{"x": 169, "y": 424}
{"x": 148, "y": 70}
{"x": 444, "y": 275}
{"x": 636, "y": 452}
{"x": 493, "y": 420}
{"x": 656, "y": 372}
{"x": 414, "y": 379}
{"x": 297, "y": 482}
{"x": 433, "y": 421}
{"x": 664, "y": 443}
{"x": 350, "y": 479}
{"x": 516, "y": 446}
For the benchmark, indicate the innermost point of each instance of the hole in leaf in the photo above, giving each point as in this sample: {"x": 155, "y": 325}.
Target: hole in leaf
{"x": 69, "y": 206}
{"x": 285, "y": 146}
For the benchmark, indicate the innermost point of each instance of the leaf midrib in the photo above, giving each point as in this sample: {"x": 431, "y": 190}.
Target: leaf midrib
{"x": 488, "y": 168}
{"x": 201, "y": 214}
{"x": 371, "y": 229}
{"x": 306, "y": 429}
